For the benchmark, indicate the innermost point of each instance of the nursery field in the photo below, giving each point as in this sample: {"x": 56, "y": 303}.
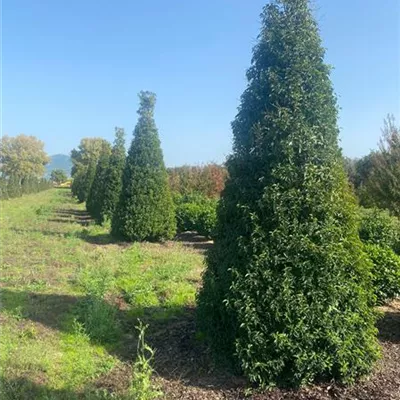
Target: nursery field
{"x": 72, "y": 300}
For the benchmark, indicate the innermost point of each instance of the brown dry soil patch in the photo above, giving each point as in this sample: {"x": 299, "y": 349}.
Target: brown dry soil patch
{"x": 184, "y": 372}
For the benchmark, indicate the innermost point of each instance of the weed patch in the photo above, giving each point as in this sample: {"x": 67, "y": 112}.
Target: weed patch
{"x": 142, "y": 386}
{"x": 98, "y": 317}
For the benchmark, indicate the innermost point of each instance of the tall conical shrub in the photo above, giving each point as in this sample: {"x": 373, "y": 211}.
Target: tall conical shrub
{"x": 145, "y": 210}
{"x": 95, "y": 200}
{"x": 113, "y": 177}
{"x": 286, "y": 295}
{"x": 78, "y": 187}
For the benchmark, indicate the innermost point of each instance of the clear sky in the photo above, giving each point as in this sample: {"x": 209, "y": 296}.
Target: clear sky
{"x": 72, "y": 69}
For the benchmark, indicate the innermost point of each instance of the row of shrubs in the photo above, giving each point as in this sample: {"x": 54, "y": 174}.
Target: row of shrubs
{"x": 13, "y": 187}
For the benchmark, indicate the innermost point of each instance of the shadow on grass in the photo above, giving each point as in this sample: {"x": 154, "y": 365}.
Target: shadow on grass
{"x": 85, "y": 235}
{"x": 102, "y": 239}
{"x": 85, "y": 221}
{"x": 179, "y": 354}
{"x": 24, "y": 389}
{"x": 72, "y": 215}
{"x": 194, "y": 241}
{"x": 49, "y": 310}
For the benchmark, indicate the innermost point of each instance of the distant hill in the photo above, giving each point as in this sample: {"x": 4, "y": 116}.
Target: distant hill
{"x": 59, "y": 161}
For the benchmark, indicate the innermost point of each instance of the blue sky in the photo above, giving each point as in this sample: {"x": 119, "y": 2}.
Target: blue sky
{"x": 72, "y": 69}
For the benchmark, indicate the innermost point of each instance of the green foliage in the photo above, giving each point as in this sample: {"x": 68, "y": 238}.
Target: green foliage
{"x": 88, "y": 179}
{"x": 358, "y": 171}
{"x": 145, "y": 210}
{"x": 22, "y": 156}
{"x": 113, "y": 178}
{"x": 142, "y": 387}
{"x": 58, "y": 176}
{"x": 187, "y": 216}
{"x": 385, "y": 272}
{"x": 34, "y": 185}
{"x": 375, "y": 177}
{"x": 3, "y": 188}
{"x": 22, "y": 161}
{"x": 286, "y": 295}
{"x": 84, "y": 161}
{"x": 99, "y": 318}
{"x": 78, "y": 187}
{"x": 363, "y": 170}
{"x": 95, "y": 200}
{"x": 379, "y": 227}
{"x": 13, "y": 186}
{"x": 384, "y": 181}
{"x": 196, "y": 213}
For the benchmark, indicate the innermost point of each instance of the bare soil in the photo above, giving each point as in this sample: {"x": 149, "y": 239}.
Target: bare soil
{"x": 183, "y": 373}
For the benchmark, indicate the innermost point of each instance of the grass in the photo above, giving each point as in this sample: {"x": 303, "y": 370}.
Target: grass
{"x": 70, "y": 299}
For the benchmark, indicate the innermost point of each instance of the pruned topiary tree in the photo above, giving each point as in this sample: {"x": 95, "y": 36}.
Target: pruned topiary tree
{"x": 95, "y": 200}
{"x": 286, "y": 294}
{"x": 113, "y": 178}
{"x": 145, "y": 210}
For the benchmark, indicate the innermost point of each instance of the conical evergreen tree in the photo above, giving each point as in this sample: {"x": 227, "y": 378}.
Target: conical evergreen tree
{"x": 286, "y": 294}
{"x": 145, "y": 210}
{"x": 113, "y": 178}
{"x": 95, "y": 201}
{"x": 78, "y": 187}
{"x": 88, "y": 179}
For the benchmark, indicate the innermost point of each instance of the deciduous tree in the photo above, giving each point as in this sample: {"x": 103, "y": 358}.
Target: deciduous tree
{"x": 58, "y": 176}
{"x": 22, "y": 157}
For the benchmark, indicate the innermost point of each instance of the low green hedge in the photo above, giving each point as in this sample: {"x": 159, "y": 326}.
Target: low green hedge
{"x": 380, "y": 228}
{"x": 385, "y": 272}
{"x": 196, "y": 213}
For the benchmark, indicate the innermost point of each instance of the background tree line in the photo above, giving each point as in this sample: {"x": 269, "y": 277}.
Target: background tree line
{"x": 22, "y": 166}
{"x": 376, "y": 176}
